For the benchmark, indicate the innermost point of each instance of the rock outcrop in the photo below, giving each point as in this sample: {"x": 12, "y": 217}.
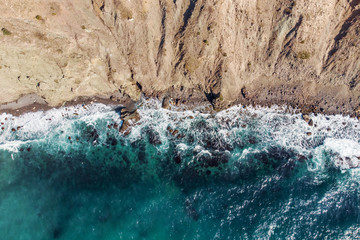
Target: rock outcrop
{"x": 304, "y": 53}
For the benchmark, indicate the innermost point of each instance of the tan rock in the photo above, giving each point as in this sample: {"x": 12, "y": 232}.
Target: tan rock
{"x": 303, "y": 53}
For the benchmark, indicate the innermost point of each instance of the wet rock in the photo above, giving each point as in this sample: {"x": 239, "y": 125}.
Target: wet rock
{"x": 177, "y": 159}
{"x": 309, "y": 133}
{"x": 13, "y": 129}
{"x": 154, "y": 138}
{"x": 113, "y": 141}
{"x": 124, "y": 127}
{"x": 57, "y": 232}
{"x": 252, "y": 140}
{"x": 180, "y": 136}
{"x": 307, "y": 119}
{"x": 311, "y": 123}
{"x": 301, "y": 158}
{"x": 128, "y": 122}
{"x": 165, "y": 102}
{"x": 28, "y": 149}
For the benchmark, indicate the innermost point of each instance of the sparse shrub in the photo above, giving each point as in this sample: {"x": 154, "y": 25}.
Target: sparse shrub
{"x": 5, "y": 31}
{"x": 83, "y": 27}
{"x": 287, "y": 11}
{"x": 206, "y": 42}
{"x": 38, "y": 17}
{"x": 303, "y": 55}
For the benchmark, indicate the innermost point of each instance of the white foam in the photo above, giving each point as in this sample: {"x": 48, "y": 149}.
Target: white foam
{"x": 344, "y": 147}
{"x": 272, "y": 126}
{"x": 12, "y": 146}
{"x": 38, "y": 125}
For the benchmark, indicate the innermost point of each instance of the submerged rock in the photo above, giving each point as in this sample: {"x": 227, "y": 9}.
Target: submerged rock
{"x": 154, "y": 137}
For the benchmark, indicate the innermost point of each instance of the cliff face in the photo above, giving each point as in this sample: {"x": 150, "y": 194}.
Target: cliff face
{"x": 298, "y": 52}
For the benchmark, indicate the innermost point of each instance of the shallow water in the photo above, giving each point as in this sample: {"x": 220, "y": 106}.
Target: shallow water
{"x": 243, "y": 173}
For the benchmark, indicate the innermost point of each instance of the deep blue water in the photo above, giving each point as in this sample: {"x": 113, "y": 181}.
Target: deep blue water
{"x": 239, "y": 174}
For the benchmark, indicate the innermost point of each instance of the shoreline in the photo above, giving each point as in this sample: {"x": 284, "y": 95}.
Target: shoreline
{"x": 34, "y": 103}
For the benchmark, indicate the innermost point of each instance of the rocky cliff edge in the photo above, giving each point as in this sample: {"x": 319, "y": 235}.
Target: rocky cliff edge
{"x": 304, "y": 53}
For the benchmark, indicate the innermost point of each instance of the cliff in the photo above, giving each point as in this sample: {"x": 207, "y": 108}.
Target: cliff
{"x": 304, "y": 53}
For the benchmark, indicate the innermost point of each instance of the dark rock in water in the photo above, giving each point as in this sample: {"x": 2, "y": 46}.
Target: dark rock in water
{"x": 215, "y": 160}
{"x": 287, "y": 168}
{"x": 177, "y": 159}
{"x": 57, "y": 232}
{"x": 28, "y": 149}
{"x": 301, "y": 158}
{"x": 180, "y": 136}
{"x": 275, "y": 156}
{"x": 112, "y": 141}
{"x": 154, "y": 138}
{"x": 91, "y": 135}
{"x": 141, "y": 153}
{"x": 190, "y": 139}
{"x": 252, "y": 140}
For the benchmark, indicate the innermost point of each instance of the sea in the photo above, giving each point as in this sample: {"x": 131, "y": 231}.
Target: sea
{"x": 241, "y": 173}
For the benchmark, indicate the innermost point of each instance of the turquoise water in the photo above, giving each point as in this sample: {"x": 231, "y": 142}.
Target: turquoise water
{"x": 243, "y": 173}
